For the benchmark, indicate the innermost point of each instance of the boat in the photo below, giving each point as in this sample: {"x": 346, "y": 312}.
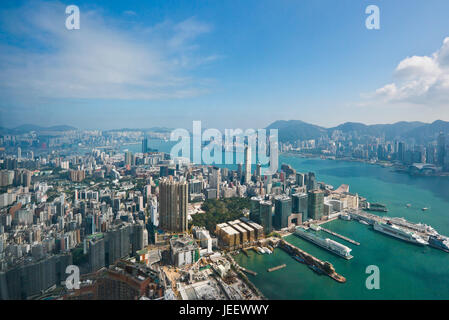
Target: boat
{"x": 268, "y": 251}
{"x": 260, "y": 250}
{"x": 363, "y": 222}
{"x": 439, "y": 242}
{"x": 397, "y": 232}
{"x": 315, "y": 227}
{"x": 328, "y": 244}
{"x": 345, "y": 217}
{"x": 419, "y": 227}
{"x": 299, "y": 259}
{"x": 315, "y": 268}
{"x": 424, "y": 209}
{"x": 408, "y": 205}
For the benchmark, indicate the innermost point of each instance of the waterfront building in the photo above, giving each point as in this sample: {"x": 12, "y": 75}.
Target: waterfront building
{"x": 315, "y": 205}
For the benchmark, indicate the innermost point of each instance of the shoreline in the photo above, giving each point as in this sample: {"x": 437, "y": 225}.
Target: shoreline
{"x": 383, "y": 164}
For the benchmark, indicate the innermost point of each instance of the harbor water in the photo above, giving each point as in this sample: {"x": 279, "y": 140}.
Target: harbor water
{"x": 407, "y": 271}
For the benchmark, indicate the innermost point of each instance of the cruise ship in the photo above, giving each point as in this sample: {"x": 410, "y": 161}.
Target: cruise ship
{"x": 397, "y": 232}
{"x": 439, "y": 242}
{"x": 328, "y": 244}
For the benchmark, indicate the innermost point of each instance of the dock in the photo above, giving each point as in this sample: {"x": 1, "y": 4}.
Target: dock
{"x": 276, "y": 268}
{"x": 248, "y": 271}
{"x": 340, "y": 236}
{"x": 313, "y": 262}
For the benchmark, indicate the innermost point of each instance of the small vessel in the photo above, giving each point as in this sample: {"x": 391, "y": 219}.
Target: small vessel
{"x": 260, "y": 250}
{"x": 345, "y": 217}
{"x": 408, "y": 205}
{"x": 315, "y": 268}
{"x": 397, "y": 232}
{"x": 363, "y": 222}
{"x": 299, "y": 259}
{"x": 268, "y": 251}
{"x": 424, "y": 209}
{"x": 315, "y": 227}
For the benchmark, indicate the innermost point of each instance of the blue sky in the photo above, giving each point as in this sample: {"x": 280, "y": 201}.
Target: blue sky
{"x": 228, "y": 63}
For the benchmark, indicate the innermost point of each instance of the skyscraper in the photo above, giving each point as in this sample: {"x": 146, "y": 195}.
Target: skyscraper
{"x": 173, "y": 199}
{"x": 215, "y": 180}
{"x": 128, "y": 158}
{"x": 145, "y": 145}
{"x": 266, "y": 215}
{"x": 315, "y": 205}
{"x": 441, "y": 145}
{"x": 247, "y": 164}
{"x": 311, "y": 182}
{"x": 282, "y": 210}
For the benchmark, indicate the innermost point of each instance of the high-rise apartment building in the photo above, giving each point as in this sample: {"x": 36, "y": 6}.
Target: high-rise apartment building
{"x": 247, "y": 174}
{"x": 173, "y": 199}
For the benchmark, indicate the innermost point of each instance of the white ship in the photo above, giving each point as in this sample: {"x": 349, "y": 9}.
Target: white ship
{"x": 397, "y": 232}
{"x": 419, "y": 227}
{"x": 328, "y": 244}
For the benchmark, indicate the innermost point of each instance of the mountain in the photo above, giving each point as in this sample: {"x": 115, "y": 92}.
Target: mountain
{"x": 391, "y": 131}
{"x": 293, "y": 130}
{"x": 420, "y": 132}
{"x": 25, "y": 128}
{"x": 428, "y": 131}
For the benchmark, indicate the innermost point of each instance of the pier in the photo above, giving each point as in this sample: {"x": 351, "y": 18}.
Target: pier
{"x": 276, "y": 268}
{"x": 340, "y": 236}
{"x": 248, "y": 271}
{"x": 315, "y": 263}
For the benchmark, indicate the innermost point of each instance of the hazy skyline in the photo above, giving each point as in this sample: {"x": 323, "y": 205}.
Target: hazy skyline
{"x": 141, "y": 64}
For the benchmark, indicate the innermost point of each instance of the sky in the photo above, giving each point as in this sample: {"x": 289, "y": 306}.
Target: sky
{"x": 230, "y": 64}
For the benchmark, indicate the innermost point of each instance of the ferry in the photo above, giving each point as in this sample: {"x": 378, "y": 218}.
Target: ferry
{"x": 328, "y": 244}
{"x": 439, "y": 242}
{"x": 397, "y": 232}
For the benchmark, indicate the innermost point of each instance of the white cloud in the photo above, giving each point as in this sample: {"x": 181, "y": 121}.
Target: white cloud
{"x": 104, "y": 59}
{"x": 419, "y": 80}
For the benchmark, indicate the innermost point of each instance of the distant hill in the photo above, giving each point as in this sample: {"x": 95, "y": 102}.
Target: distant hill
{"x": 293, "y": 130}
{"x": 152, "y": 129}
{"x": 428, "y": 131}
{"x": 25, "y": 128}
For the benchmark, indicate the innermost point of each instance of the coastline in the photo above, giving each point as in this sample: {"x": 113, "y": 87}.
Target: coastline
{"x": 384, "y": 164}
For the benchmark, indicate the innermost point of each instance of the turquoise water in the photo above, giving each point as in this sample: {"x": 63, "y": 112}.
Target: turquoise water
{"x": 407, "y": 271}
